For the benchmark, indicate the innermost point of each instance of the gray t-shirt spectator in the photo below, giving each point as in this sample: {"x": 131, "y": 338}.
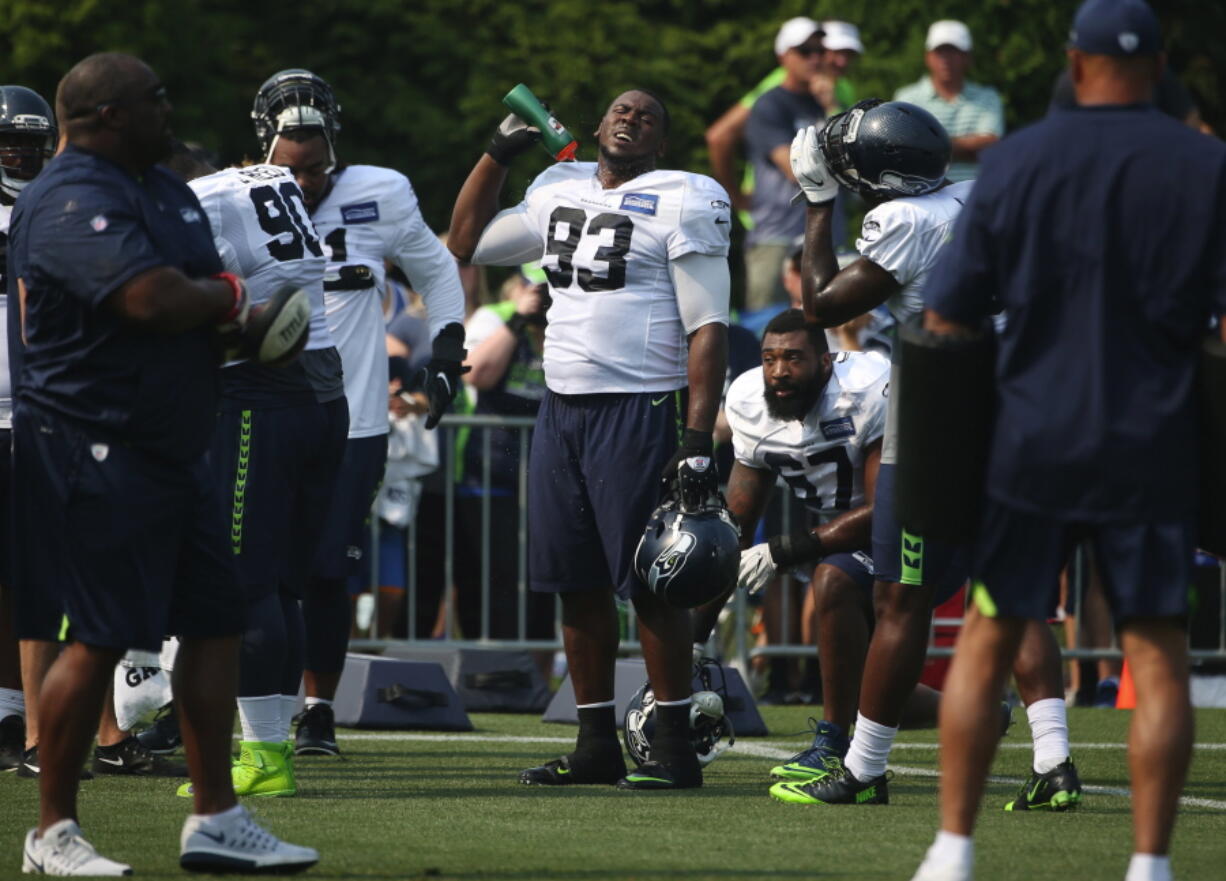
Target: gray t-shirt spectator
{"x": 773, "y": 122}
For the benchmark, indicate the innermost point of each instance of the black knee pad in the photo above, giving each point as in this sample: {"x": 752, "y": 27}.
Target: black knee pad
{"x": 1213, "y": 447}
{"x": 946, "y": 398}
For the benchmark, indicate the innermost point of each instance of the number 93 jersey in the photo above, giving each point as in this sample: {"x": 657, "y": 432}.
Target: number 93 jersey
{"x": 821, "y": 458}
{"x": 264, "y": 235}
{"x": 614, "y": 325}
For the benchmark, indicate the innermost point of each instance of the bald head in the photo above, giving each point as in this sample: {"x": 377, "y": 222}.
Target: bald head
{"x": 98, "y": 80}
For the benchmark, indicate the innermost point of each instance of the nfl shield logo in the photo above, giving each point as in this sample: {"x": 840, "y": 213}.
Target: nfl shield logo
{"x": 98, "y": 223}
{"x": 99, "y": 451}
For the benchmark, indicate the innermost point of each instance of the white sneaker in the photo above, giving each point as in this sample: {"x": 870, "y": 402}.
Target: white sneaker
{"x": 62, "y": 850}
{"x": 237, "y": 843}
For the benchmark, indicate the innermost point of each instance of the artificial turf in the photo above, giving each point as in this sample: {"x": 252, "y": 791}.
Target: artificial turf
{"x": 449, "y": 807}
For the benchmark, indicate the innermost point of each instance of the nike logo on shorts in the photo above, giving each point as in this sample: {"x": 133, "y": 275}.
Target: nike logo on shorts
{"x": 656, "y": 403}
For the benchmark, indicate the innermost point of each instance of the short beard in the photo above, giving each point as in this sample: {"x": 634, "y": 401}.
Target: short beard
{"x": 627, "y": 167}
{"x": 793, "y": 409}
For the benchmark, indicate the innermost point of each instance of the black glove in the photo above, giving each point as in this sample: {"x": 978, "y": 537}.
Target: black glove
{"x": 440, "y": 378}
{"x": 512, "y": 137}
{"x": 691, "y": 474}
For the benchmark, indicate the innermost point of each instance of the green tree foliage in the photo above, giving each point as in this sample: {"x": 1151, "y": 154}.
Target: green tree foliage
{"x": 420, "y": 81}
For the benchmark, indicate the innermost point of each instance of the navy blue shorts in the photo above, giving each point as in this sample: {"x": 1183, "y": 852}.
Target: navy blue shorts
{"x": 277, "y": 468}
{"x": 132, "y": 548}
{"x": 593, "y": 481}
{"x": 901, "y": 557}
{"x": 339, "y": 553}
{"x": 1146, "y": 568}
{"x": 856, "y": 565}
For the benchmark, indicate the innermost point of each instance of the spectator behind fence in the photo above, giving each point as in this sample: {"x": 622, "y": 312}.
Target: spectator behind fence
{"x": 971, "y": 113}
{"x": 774, "y": 120}
{"x": 506, "y": 342}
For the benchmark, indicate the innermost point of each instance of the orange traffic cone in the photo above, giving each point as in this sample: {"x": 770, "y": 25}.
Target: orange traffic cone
{"x": 1126, "y": 699}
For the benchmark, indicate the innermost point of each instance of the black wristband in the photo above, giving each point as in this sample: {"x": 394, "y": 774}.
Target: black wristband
{"x": 801, "y": 546}
{"x": 697, "y": 442}
{"x": 517, "y": 322}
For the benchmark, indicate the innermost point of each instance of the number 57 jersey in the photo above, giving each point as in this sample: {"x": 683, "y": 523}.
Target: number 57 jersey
{"x": 822, "y": 457}
{"x": 614, "y": 325}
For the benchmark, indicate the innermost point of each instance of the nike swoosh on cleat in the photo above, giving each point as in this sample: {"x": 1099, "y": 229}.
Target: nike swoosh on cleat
{"x": 118, "y": 763}
{"x": 33, "y": 768}
{"x": 220, "y": 837}
{"x": 563, "y": 771}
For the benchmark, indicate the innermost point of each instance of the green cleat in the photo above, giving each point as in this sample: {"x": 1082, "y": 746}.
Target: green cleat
{"x": 262, "y": 769}
{"x": 1057, "y": 790}
{"x": 837, "y": 787}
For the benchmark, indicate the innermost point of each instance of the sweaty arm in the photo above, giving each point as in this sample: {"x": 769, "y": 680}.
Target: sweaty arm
{"x": 853, "y": 529}
{"x": 164, "y": 300}
{"x": 832, "y": 296}
{"x": 475, "y": 206}
{"x": 703, "y": 289}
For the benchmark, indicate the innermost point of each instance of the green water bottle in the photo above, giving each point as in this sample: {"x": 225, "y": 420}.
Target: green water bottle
{"x": 559, "y": 143}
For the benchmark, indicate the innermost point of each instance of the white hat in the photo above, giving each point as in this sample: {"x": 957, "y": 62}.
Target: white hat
{"x": 948, "y": 33}
{"x": 841, "y": 35}
{"x": 794, "y": 32}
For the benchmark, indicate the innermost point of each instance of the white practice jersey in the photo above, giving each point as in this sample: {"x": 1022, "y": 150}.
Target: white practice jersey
{"x": 6, "y": 384}
{"x": 614, "y": 325}
{"x": 905, "y": 236}
{"x": 821, "y": 458}
{"x": 265, "y": 236}
{"x": 371, "y": 215}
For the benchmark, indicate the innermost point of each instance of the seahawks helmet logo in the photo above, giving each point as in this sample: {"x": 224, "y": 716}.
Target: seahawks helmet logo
{"x": 671, "y": 560}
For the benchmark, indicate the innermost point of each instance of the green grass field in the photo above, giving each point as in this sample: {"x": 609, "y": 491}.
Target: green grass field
{"x": 425, "y": 805}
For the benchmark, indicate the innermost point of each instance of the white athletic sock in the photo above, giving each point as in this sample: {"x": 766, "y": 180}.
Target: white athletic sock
{"x": 870, "y": 747}
{"x": 1049, "y": 732}
{"x": 596, "y": 706}
{"x": 261, "y": 718}
{"x": 12, "y": 703}
{"x": 289, "y": 708}
{"x": 312, "y": 701}
{"x": 1149, "y": 867}
{"x": 220, "y": 815}
{"x": 953, "y": 849}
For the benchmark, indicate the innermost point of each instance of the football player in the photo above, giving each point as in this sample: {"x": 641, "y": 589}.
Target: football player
{"x": 277, "y": 450}
{"x": 895, "y": 156}
{"x": 364, "y": 215}
{"x": 636, "y": 259}
{"x": 27, "y": 139}
{"x": 815, "y": 421}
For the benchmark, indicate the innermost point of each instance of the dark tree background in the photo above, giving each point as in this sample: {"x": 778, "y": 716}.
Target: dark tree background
{"x": 420, "y": 81}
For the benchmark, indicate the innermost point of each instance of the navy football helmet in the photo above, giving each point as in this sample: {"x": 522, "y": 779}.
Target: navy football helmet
{"x": 27, "y": 138}
{"x": 886, "y": 149}
{"x": 686, "y": 556}
{"x": 710, "y": 730}
{"x": 293, "y": 100}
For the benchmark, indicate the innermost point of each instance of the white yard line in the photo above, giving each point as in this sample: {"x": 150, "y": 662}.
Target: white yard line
{"x": 775, "y": 750}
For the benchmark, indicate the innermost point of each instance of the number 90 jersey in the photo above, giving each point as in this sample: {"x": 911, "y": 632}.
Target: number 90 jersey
{"x": 821, "y": 458}
{"x": 614, "y": 325}
{"x": 265, "y": 236}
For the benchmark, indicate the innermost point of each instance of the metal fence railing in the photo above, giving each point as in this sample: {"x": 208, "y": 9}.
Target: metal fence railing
{"x": 1209, "y": 642}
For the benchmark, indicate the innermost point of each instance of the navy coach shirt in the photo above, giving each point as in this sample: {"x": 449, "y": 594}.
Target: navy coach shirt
{"x": 1101, "y": 231}
{"x": 81, "y": 230}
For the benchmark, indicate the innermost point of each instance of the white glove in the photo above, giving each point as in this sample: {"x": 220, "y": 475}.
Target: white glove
{"x": 757, "y": 568}
{"x": 815, "y": 179}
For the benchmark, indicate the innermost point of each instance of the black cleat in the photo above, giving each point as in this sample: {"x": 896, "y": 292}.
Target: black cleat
{"x": 29, "y": 766}
{"x": 129, "y": 757}
{"x": 657, "y": 775}
{"x": 163, "y": 737}
{"x": 1057, "y": 790}
{"x": 838, "y": 787}
{"x": 566, "y": 771}
{"x": 316, "y": 735}
{"x": 12, "y": 741}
